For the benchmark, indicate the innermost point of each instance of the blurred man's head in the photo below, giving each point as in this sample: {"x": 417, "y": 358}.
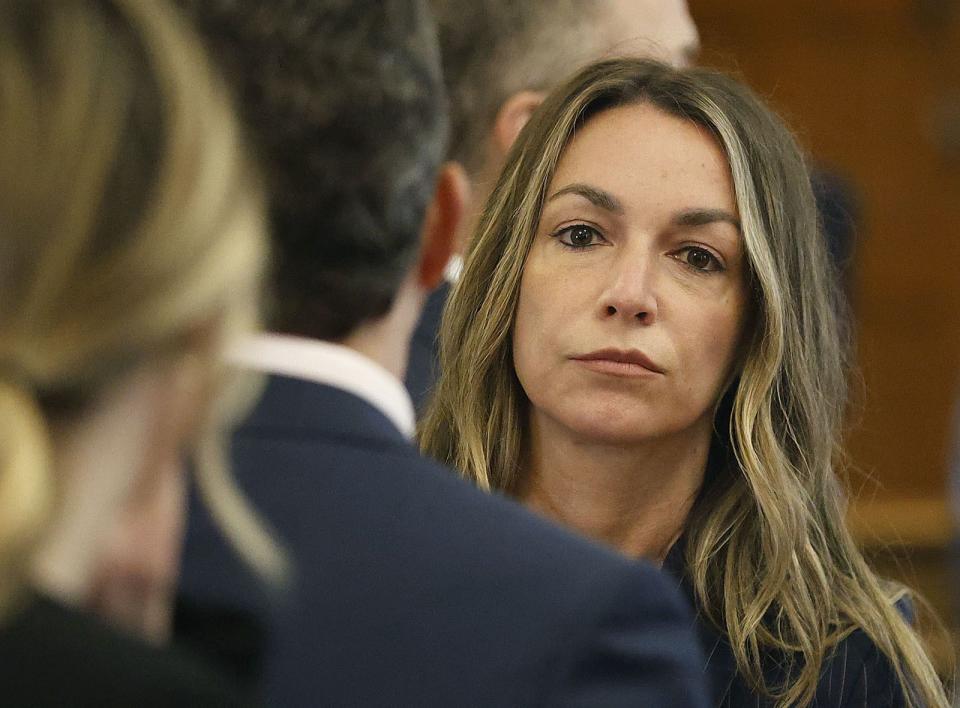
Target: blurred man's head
{"x": 343, "y": 100}
{"x": 501, "y": 57}
{"x": 660, "y": 29}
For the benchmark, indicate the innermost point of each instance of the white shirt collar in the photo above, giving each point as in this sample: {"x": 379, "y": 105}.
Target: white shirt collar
{"x": 330, "y": 364}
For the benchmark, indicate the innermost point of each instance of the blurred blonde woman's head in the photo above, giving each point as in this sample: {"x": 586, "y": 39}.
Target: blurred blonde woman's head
{"x": 767, "y": 533}
{"x": 131, "y": 230}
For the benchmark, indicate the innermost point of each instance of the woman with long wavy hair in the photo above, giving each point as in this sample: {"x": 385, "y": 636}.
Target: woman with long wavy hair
{"x": 645, "y": 345}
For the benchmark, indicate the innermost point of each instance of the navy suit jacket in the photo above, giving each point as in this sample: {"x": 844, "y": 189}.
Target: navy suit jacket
{"x": 415, "y": 589}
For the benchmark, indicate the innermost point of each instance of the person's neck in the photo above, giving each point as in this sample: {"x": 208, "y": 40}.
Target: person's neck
{"x": 387, "y": 340}
{"x": 96, "y": 459}
{"x": 635, "y": 498}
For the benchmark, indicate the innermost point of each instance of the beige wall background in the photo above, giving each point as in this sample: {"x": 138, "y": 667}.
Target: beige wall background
{"x": 873, "y": 89}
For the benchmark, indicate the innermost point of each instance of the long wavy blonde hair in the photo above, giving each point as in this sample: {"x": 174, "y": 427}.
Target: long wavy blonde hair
{"x": 130, "y": 219}
{"x": 771, "y": 561}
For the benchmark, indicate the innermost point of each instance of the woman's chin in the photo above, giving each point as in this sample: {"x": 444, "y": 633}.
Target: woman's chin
{"x": 602, "y": 427}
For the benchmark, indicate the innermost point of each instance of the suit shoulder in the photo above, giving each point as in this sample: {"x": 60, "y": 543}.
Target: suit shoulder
{"x": 414, "y": 511}
{"x": 572, "y": 622}
{"x": 518, "y": 538}
{"x": 639, "y": 649}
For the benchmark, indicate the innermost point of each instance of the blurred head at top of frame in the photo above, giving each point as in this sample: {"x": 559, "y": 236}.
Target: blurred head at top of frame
{"x": 500, "y": 58}
{"x": 345, "y": 104}
{"x": 131, "y": 248}
{"x": 666, "y": 214}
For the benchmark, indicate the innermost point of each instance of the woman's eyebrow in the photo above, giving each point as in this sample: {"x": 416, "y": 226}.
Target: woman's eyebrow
{"x": 702, "y": 217}
{"x": 595, "y": 196}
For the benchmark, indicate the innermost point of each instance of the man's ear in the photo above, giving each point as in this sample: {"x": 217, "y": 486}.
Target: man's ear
{"x": 512, "y": 116}
{"x": 443, "y": 219}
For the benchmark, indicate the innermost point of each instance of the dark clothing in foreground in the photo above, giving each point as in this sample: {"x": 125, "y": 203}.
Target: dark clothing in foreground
{"x": 855, "y": 675}
{"x": 415, "y": 589}
{"x": 51, "y": 655}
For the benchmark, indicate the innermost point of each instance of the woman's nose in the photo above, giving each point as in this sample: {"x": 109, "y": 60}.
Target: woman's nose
{"x": 631, "y": 292}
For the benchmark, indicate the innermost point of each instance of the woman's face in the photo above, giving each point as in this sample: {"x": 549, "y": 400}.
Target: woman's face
{"x": 633, "y": 295}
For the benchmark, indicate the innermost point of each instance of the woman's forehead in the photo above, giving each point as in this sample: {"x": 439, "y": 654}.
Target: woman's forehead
{"x": 645, "y": 158}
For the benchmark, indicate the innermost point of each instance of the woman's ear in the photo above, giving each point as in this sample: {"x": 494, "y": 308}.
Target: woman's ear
{"x": 442, "y": 222}
{"x": 512, "y": 116}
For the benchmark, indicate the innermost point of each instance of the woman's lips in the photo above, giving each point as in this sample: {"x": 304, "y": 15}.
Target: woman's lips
{"x": 619, "y": 362}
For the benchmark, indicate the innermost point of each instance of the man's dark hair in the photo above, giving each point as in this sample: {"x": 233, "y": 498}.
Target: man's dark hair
{"x": 344, "y": 102}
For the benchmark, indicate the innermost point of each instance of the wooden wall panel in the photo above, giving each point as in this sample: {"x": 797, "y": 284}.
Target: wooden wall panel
{"x": 873, "y": 90}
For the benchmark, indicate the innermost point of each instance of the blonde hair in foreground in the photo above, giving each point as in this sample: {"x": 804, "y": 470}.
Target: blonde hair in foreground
{"x": 768, "y": 553}
{"x": 130, "y": 221}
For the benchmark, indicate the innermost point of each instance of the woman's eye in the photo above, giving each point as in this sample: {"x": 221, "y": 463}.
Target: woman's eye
{"x": 699, "y": 259}
{"x": 579, "y": 236}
